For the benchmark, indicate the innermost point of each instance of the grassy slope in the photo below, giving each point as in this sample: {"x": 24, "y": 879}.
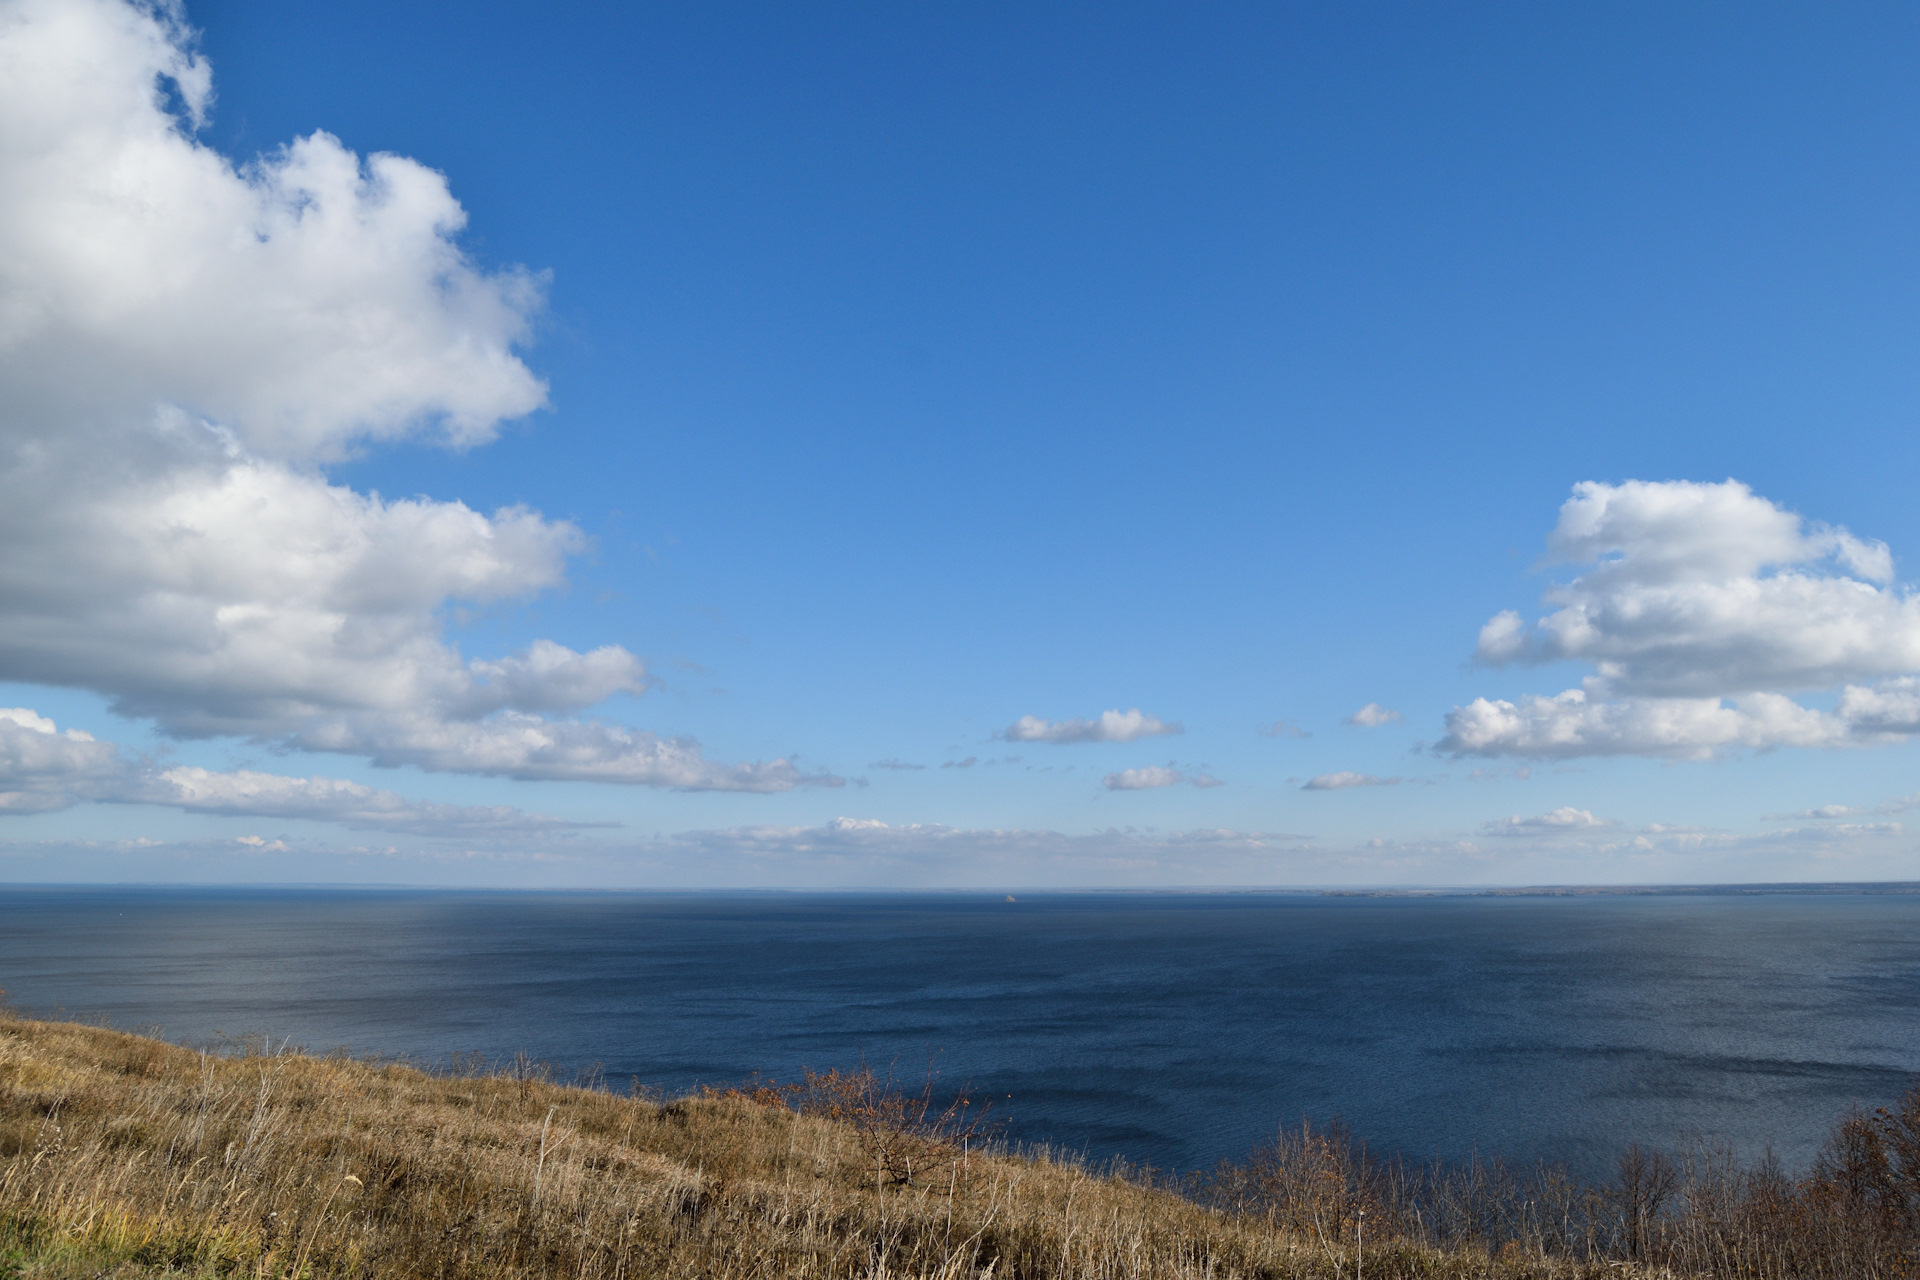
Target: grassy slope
{"x": 126, "y": 1156}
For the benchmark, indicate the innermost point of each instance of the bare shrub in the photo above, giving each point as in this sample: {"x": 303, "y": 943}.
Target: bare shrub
{"x": 903, "y": 1134}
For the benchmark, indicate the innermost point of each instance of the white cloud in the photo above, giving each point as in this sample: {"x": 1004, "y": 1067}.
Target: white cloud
{"x": 1899, "y": 804}
{"x": 1344, "y": 779}
{"x": 1372, "y": 716}
{"x": 183, "y": 344}
{"x": 1284, "y": 729}
{"x": 1892, "y": 707}
{"x": 1145, "y": 778}
{"x": 1151, "y": 777}
{"x": 1108, "y": 726}
{"x": 245, "y": 793}
{"x": 531, "y": 748}
{"x": 1825, "y": 811}
{"x": 1574, "y": 724}
{"x": 1703, "y": 608}
{"x": 1564, "y": 819}
{"x": 43, "y": 768}
{"x": 307, "y": 301}
{"x": 1709, "y": 590}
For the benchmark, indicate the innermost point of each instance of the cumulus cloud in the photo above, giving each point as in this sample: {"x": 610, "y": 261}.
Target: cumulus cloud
{"x": 1283, "y": 729}
{"x": 1372, "y": 716}
{"x": 307, "y": 301}
{"x": 1575, "y": 724}
{"x": 184, "y": 344}
{"x": 44, "y": 768}
{"x": 1709, "y": 590}
{"x": 1151, "y": 777}
{"x": 1564, "y": 819}
{"x": 1891, "y": 708}
{"x": 1108, "y": 726}
{"x": 1344, "y": 779}
{"x": 1703, "y": 609}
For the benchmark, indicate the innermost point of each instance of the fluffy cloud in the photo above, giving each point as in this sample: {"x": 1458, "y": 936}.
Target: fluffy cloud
{"x": 1151, "y": 777}
{"x": 1565, "y": 819}
{"x": 1891, "y": 708}
{"x": 1703, "y": 608}
{"x": 1709, "y": 590}
{"x": 43, "y": 768}
{"x": 1372, "y": 716}
{"x": 1344, "y": 779}
{"x": 183, "y": 344}
{"x": 307, "y": 301}
{"x": 1573, "y": 724}
{"x": 1108, "y": 726}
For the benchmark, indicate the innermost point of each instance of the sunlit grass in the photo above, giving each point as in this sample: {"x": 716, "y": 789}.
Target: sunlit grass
{"x": 124, "y": 1156}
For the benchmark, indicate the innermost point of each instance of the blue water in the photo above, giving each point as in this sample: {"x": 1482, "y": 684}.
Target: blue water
{"x": 1174, "y": 1030}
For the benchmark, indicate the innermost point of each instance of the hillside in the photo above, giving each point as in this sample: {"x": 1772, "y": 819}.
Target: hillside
{"x": 125, "y": 1156}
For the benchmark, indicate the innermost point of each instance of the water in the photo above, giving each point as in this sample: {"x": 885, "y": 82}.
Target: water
{"x": 1174, "y": 1030}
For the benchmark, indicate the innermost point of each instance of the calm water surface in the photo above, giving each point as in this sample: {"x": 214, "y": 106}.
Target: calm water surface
{"x": 1172, "y": 1029}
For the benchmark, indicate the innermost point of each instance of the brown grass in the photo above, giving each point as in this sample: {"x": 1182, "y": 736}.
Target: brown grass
{"x": 123, "y": 1156}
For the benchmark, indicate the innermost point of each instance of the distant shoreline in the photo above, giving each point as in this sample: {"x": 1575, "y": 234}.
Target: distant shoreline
{"x": 1893, "y": 888}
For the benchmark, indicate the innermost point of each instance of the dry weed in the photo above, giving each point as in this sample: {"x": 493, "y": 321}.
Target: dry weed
{"x": 122, "y": 1156}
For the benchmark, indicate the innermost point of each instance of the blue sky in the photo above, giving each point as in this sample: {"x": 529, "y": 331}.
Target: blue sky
{"x": 900, "y": 373}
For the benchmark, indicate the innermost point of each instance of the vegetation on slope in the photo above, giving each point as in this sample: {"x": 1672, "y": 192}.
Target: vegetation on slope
{"x": 125, "y": 1156}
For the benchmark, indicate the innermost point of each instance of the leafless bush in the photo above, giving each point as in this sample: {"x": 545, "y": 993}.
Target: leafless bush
{"x": 1855, "y": 1214}
{"x": 904, "y": 1134}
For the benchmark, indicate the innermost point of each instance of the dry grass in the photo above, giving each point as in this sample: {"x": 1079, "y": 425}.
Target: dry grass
{"x": 124, "y": 1156}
